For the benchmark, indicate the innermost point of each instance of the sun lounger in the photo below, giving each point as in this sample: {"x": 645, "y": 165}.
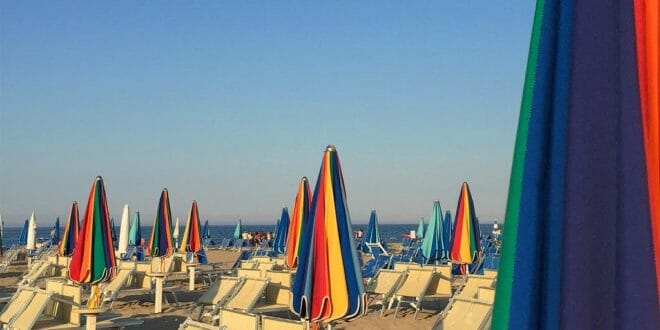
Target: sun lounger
{"x": 277, "y": 295}
{"x": 371, "y": 268}
{"x": 244, "y": 272}
{"x": 472, "y": 285}
{"x": 37, "y": 270}
{"x": 238, "y": 320}
{"x": 276, "y": 323}
{"x": 190, "y": 324}
{"x": 217, "y": 293}
{"x": 403, "y": 266}
{"x": 23, "y": 313}
{"x": 466, "y": 314}
{"x": 111, "y": 289}
{"x": 247, "y": 295}
{"x": 440, "y": 285}
{"x": 413, "y": 289}
{"x": 383, "y": 286}
{"x": 19, "y": 301}
{"x": 249, "y": 264}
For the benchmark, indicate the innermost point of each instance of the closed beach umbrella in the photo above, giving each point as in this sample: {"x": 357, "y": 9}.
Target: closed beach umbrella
{"x": 328, "y": 284}
{"x": 238, "y": 230}
{"x": 124, "y": 227}
{"x": 113, "y": 230}
{"x": 277, "y": 227}
{"x": 2, "y": 234}
{"x": 206, "y": 232}
{"x": 446, "y": 229}
{"x": 161, "y": 244}
{"x": 71, "y": 230}
{"x": 298, "y": 222}
{"x": 22, "y": 238}
{"x": 55, "y": 232}
{"x": 581, "y": 249}
{"x": 175, "y": 233}
{"x": 434, "y": 246}
{"x": 372, "y": 235}
{"x": 32, "y": 233}
{"x": 135, "y": 234}
{"x": 279, "y": 241}
{"x": 466, "y": 236}
{"x": 420, "y": 229}
{"x": 93, "y": 259}
{"x": 191, "y": 241}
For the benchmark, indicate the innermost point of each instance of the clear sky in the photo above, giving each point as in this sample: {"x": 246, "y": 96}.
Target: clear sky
{"x": 232, "y": 103}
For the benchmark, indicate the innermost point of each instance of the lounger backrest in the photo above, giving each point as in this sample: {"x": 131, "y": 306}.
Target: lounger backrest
{"x": 243, "y": 272}
{"x": 276, "y": 323}
{"x": 486, "y": 295}
{"x": 261, "y": 259}
{"x": 466, "y": 314}
{"x": 472, "y": 286}
{"x": 60, "y": 310}
{"x": 385, "y": 281}
{"x": 441, "y": 282}
{"x": 248, "y": 294}
{"x": 249, "y": 264}
{"x": 416, "y": 283}
{"x": 21, "y": 298}
{"x": 278, "y": 261}
{"x": 265, "y": 266}
{"x": 219, "y": 290}
{"x": 402, "y": 266}
{"x": 162, "y": 264}
{"x": 490, "y": 273}
{"x": 278, "y": 290}
{"x": 142, "y": 267}
{"x": 235, "y": 320}
{"x": 27, "y": 318}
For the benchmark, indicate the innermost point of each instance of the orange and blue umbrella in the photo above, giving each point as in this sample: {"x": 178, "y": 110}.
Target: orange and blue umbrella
{"x": 465, "y": 243}
{"x": 281, "y": 230}
{"x": 93, "y": 258}
{"x": 161, "y": 243}
{"x": 298, "y": 223}
{"x": 71, "y": 229}
{"x": 581, "y": 249}
{"x": 328, "y": 246}
{"x": 192, "y": 234}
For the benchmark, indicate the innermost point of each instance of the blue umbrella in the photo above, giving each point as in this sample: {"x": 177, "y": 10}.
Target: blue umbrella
{"x": 446, "y": 229}
{"x": 113, "y": 230}
{"x": 55, "y": 232}
{"x": 372, "y": 235}
{"x": 238, "y": 230}
{"x": 135, "y": 233}
{"x": 420, "y": 229}
{"x": 279, "y": 242}
{"x": 22, "y": 238}
{"x": 434, "y": 247}
{"x": 206, "y": 232}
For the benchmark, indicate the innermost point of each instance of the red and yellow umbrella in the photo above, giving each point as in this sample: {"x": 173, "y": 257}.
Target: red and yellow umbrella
{"x": 298, "y": 221}
{"x": 192, "y": 237}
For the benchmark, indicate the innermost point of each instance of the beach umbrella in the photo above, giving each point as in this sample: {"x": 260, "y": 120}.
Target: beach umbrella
{"x": 279, "y": 241}
{"x": 372, "y": 235}
{"x": 55, "y": 232}
{"x": 239, "y": 229}
{"x": 2, "y": 234}
{"x": 277, "y": 227}
{"x": 298, "y": 222}
{"x": 93, "y": 259}
{"x": 191, "y": 241}
{"x": 434, "y": 246}
{"x": 113, "y": 230}
{"x": 581, "y": 249}
{"x": 420, "y": 229}
{"x": 465, "y": 242}
{"x": 122, "y": 244}
{"x": 161, "y": 244}
{"x": 328, "y": 246}
{"x": 22, "y": 238}
{"x": 175, "y": 233}
{"x": 135, "y": 233}
{"x": 71, "y": 230}
{"x": 32, "y": 233}
{"x": 206, "y": 232}
{"x": 446, "y": 230}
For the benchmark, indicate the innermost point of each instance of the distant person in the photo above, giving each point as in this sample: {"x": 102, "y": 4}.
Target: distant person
{"x": 360, "y": 233}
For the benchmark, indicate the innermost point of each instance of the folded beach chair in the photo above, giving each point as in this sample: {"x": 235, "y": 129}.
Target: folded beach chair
{"x": 18, "y": 302}
{"x": 413, "y": 289}
{"x": 440, "y": 285}
{"x": 382, "y": 287}
{"x": 217, "y": 294}
{"x": 276, "y": 323}
{"x": 277, "y": 296}
{"x": 23, "y": 313}
{"x": 247, "y": 295}
{"x": 238, "y": 320}
{"x": 472, "y": 285}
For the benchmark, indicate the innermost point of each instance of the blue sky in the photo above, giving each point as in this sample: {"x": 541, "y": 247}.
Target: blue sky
{"x": 231, "y": 103}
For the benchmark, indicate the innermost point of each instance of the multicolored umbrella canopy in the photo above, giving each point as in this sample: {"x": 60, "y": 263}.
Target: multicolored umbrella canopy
{"x": 372, "y": 235}
{"x": 161, "y": 242}
{"x": 55, "y": 232}
{"x": 191, "y": 241}
{"x": 135, "y": 234}
{"x": 71, "y": 230}
{"x": 420, "y": 229}
{"x": 446, "y": 230}
{"x": 583, "y": 210}
{"x": 434, "y": 246}
{"x": 93, "y": 258}
{"x": 22, "y": 238}
{"x": 124, "y": 227}
{"x": 465, "y": 243}
{"x": 32, "y": 233}
{"x": 279, "y": 240}
{"x": 298, "y": 222}
{"x": 328, "y": 245}
{"x": 239, "y": 229}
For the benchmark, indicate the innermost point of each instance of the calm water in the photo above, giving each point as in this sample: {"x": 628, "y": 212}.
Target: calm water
{"x": 389, "y": 232}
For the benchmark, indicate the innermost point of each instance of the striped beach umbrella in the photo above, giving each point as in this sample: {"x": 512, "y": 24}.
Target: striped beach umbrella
{"x": 328, "y": 246}
{"x": 238, "y": 231}
{"x": 22, "y": 238}
{"x": 161, "y": 243}
{"x": 372, "y": 235}
{"x": 298, "y": 222}
{"x": 191, "y": 241}
{"x": 420, "y": 229}
{"x": 279, "y": 240}
{"x": 71, "y": 230}
{"x": 465, "y": 242}
{"x": 581, "y": 249}
{"x": 434, "y": 246}
{"x": 93, "y": 259}
{"x": 55, "y": 232}
{"x": 446, "y": 230}
{"x": 135, "y": 233}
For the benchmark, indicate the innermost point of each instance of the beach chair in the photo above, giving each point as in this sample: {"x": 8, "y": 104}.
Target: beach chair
{"x": 403, "y": 266}
{"x": 382, "y": 287}
{"x": 413, "y": 289}
{"x": 371, "y": 268}
{"x": 217, "y": 294}
{"x": 466, "y": 314}
{"x": 472, "y": 285}
{"x": 238, "y": 320}
{"x": 247, "y": 295}
{"x": 23, "y": 313}
{"x": 277, "y": 296}
{"x": 376, "y": 249}
{"x": 16, "y": 304}
{"x": 440, "y": 285}
{"x": 238, "y": 243}
{"x": 264, "y": 267}
{"x": 276, "y": 323}
{"x": 111, "y": 289}
{"x": 190, "y": 324}
{"x": 249, "y": 264}
{"x": 37, "y": 270}
{"x": 245, "y": 272}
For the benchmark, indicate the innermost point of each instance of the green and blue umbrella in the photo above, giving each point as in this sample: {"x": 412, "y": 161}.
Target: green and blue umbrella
{"x": 328, "y": 284}
{"x": 238, "y": 231}
{"x": 161, "y": 243}
{"x": 279, "y": 239}
{"x": 434, "y": 246}
{"x": 420, "y": 229}
{"x": 135, "y": 233}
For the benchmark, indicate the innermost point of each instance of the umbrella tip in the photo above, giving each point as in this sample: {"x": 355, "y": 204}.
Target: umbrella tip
{"x": 99, "y": 178}
{"x": 304, "y": 178}
{"x": 330, "y": 147}
{"x": 165, "y": 189}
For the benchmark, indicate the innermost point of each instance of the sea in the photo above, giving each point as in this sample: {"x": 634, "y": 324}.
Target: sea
{"x": 391, "y": 233}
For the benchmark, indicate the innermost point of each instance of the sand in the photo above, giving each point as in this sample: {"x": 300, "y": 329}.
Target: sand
{"x": 142, "y": 306}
